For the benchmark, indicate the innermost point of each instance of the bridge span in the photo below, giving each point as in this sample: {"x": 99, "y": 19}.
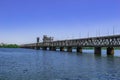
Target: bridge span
{"x": 97, "y": 42}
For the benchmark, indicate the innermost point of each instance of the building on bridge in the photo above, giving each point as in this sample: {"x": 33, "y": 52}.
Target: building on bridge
{"x": 47, "y": 39}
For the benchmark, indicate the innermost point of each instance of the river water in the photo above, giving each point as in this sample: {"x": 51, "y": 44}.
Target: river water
{"x": 28, "y": 64}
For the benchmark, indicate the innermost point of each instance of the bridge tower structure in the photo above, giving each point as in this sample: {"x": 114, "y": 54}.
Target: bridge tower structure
{"x": 46, "y": 41}
{"x": 37, "y": 44}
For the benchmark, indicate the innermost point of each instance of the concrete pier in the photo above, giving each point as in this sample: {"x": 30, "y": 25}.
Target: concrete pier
{"x": 110, "y": 51}
{"x": 69, "y": 49}
{"x": 97, "y": 50}
{"x": 44, "y": 48}
{"x": 79, "y": 49}
{"x": 61, "y": 48}
{"x": 37, "y": 46}
{"x": 52, "y": 48}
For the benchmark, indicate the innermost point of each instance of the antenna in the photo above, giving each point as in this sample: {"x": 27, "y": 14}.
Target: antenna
{"x": 80, "y": 35}
{"x": 113, "y": 30}
{"x": 96, "y": 33}
{"x": 88, "y": 34}
{"x": 99, "y": 32}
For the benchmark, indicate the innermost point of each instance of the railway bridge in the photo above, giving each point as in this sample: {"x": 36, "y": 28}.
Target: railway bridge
{"x": 97, "y": 42}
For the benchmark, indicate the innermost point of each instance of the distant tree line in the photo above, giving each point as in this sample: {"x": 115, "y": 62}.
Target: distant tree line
{"x": 9, "y": 46}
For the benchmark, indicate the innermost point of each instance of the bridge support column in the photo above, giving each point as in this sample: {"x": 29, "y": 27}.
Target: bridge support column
{"x": 61, "y": 48}
{"x": 79, "y": 49}
{"x": 97, "y": 50}
{"x": 44, "y": 48}
{"x": 37, "y": 47}
{"x": 69, "y": 49}
{"x": 34, "y": 47}
{"x": 52, "y": 48}
{"x": 31, "y": 47}
{"x": 110, "y": 51}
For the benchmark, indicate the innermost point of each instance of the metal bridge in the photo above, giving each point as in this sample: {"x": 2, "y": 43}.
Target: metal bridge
{"x": 97, "y": 42}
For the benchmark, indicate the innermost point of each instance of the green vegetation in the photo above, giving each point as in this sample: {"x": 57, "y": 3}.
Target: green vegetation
{"x": 9, "y": 46}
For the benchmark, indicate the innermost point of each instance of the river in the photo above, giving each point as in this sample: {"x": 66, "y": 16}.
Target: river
{"x": 28, "y": 64}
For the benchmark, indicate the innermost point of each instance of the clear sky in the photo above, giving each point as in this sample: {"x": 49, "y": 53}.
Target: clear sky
{"x": 21, "y": 21}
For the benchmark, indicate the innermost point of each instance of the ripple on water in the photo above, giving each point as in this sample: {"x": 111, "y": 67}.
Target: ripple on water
{"x": 26, "y": 64}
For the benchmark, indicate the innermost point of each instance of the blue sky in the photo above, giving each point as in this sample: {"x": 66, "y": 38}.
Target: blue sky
{"x": 21, "y": 21}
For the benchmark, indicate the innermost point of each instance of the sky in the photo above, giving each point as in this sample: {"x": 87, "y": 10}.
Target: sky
{"x": 21, "y": 21}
